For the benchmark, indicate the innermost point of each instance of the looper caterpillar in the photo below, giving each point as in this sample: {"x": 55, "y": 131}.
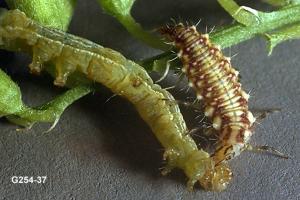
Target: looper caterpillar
{"x": 70, "y": 53}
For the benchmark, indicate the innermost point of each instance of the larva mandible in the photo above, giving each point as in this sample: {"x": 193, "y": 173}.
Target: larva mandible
{"x": 216, "y": 83}
{"x": 70, "y": 53}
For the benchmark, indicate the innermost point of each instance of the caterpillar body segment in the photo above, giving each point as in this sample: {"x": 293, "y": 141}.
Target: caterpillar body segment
{"x": 123, "y": 77}
{"x": 216, "y": 82}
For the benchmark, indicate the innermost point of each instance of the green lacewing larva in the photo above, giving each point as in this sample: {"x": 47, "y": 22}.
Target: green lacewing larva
{"x": 216, "y": 83}
{"x": 123, "y": 77}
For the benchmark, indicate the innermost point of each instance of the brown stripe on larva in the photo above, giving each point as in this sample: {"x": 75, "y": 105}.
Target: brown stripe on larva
{"x": 216, "y": 82}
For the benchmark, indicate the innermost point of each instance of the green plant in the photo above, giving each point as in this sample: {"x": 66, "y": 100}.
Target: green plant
{"x": 277, "y": 26}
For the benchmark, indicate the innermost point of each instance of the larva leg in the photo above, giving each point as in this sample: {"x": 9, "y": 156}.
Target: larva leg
{"x": 36, "y": 65}
{"x": 197, "y": 165}
{"x": 261, "y": 114}
{"x": 185, "y": 103}
{"x": 63, "y": 70}
{"x": 191, "y": 183}
{"x": 43, "y": 50}
{"x": 171, "y": 156}
{"x": 266, "y": 148}
{"x": 166, "y": 169}
{"x": 210, "y": 131}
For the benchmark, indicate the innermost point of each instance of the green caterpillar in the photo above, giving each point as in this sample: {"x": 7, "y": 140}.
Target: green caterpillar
{"x": 72, "y": 54}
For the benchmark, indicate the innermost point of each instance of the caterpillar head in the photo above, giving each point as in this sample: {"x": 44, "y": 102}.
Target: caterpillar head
{"x": 217, "y": 178}
{"x": 201, "y": 167}
{"x": 171, "y": 32}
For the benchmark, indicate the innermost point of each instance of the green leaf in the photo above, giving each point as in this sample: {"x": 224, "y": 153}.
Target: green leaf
{"x": 10, "y": 96}
{"x": 242, "y": 14}
{"x": 50, "y": 111}
{"x": 11, "y": 104}
{"x": 51, "y": 13}
{"x": 117, "y": 8}
{"x": 281, "y": 35}
{"x": 156, "y": 63}
{"x": 121, "y": 9}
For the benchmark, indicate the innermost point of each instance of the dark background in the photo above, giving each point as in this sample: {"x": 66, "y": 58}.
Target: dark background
{"x": 104, "y": 150}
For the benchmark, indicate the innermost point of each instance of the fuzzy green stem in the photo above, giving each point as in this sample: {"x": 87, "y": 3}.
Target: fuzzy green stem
{"x": 138, "y": 32}
{"x": 53, "y": 109}
{"x": 121, "y": 10}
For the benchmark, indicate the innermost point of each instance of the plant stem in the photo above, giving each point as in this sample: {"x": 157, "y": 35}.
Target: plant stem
{"x": 268, "y": 22}
{"x": 237, "y": 33}
{"x": 137, "y": 31}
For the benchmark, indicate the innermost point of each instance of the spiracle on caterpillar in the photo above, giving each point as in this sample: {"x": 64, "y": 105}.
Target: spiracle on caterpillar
{"x": 123, "y": 77}
{"x": 216, "y": 82}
